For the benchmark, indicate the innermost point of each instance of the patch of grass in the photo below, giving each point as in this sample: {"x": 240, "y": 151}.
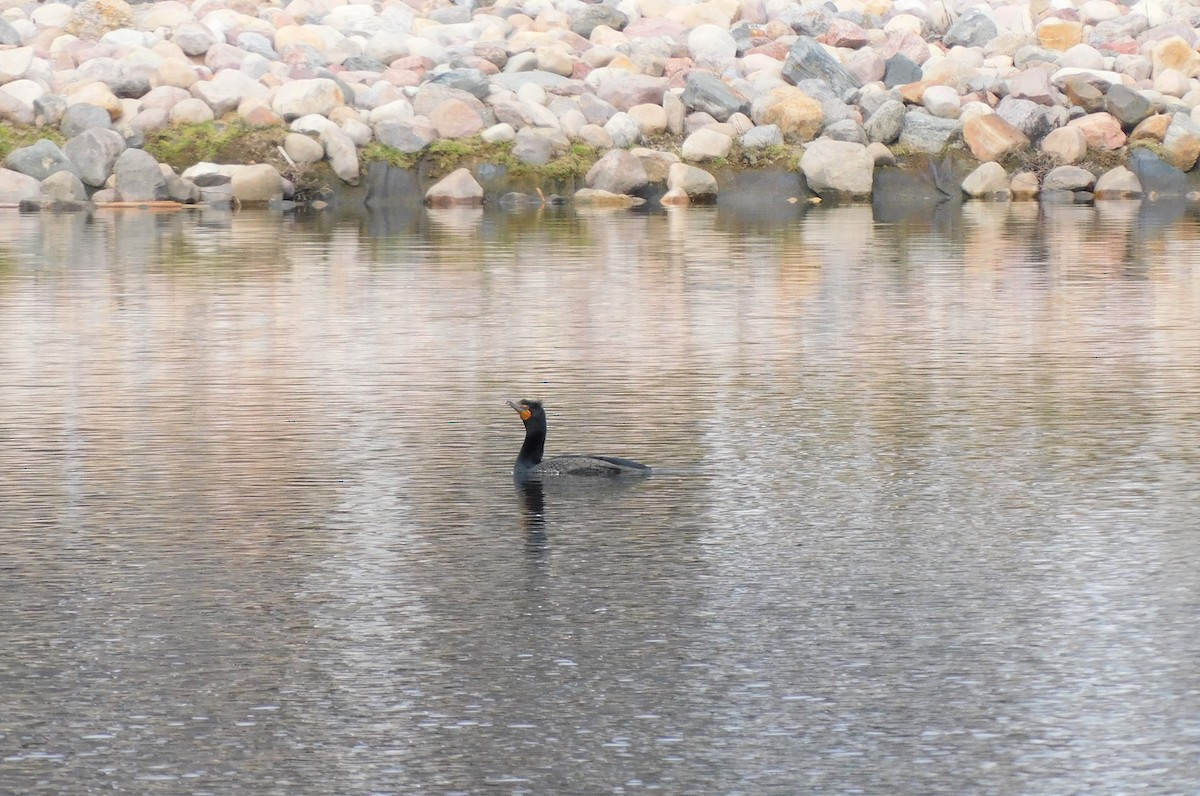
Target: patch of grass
{"x": 375, "y": 152}
{"x": 217, "y": 142}
{"x": 15, "y": 136}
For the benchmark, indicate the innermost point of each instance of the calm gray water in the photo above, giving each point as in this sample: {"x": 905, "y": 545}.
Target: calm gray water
{"x": 927, "y": 518}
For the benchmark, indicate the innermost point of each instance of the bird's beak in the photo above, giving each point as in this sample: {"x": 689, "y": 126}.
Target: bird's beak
{"x": 521, "y": 410}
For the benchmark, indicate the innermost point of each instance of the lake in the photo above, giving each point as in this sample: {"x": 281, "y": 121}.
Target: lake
{"x": 925, "y": 516}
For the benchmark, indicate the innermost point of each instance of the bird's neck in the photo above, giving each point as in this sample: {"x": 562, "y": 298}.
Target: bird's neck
{"x": 531, "y": 450}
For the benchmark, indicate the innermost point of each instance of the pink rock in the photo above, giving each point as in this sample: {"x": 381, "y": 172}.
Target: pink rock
{"x": 453, "y": 118}
{"x": 844, "y": 33}
{"x": 403, "y": 77}
{"x": 1102, "y": 131}
{"x": 1032, "y": 84}
{"x": 628, "y": 90}
{"x": 906, "y": 43}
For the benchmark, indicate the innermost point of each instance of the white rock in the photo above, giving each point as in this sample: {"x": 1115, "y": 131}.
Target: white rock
{"x": 693, "y": 181}
{"x": 226, "y": 90}
{"x": 301, "y": 97}
{"x": 342, "y": 154}
{"x": 838, "y": 167}
{"x": 191, "y": 111}
{"x": 706, "y": 144}
{"x": 711, "y": 45}
{"x": 623, "y": 129}
{"x": 989, "y": 180}
{"x": 302, "y": 148}
{"x": 499, "y": 133}
{"x": 941, "y": 101}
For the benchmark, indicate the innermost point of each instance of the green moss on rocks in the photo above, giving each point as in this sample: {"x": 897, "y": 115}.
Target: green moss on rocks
{"x": 15, "y": 136}
{"x": 185, "y": 145}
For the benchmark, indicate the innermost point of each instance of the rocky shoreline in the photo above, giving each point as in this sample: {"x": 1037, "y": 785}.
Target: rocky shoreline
{"x": 1054, "y": 99}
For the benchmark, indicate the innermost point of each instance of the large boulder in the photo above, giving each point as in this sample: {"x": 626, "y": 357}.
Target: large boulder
{"x": 798, "y": 116}
{"x": 706, "y": 92}
{"x": 619, "y": 171}
{"x": 39, "y": 160}
{"x": 17, "y": 187}
{"x": 929, "y": 134}
{"x": 299, "y": 97}
{"x": 838, "y": 167}
{"x": 94, "y": 152}
{"x": 457, "y": 189}
{"x": 138, "y": 178}
{"x": 990, "y": 137}
{"x": 808, "y": 59}
{"x": 257, "y": 184}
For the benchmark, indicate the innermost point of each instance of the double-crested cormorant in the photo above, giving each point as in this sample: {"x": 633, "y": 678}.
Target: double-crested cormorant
{"x": 530, "y": 463}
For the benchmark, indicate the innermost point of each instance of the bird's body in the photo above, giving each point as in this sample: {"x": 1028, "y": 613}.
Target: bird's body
{"x": 531, "y": 464}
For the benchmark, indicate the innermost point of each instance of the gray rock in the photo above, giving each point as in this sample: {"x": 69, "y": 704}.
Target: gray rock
{"x": 1068, "y": 178}
{"x": 8, "y": 34}
{"x": 806, "y": 20}
{"x": 364, "y": 63}
{"x": 706, "y": 92}
{"x": 762, "y": 136}
{"x": 1032, "y": 119}
{"x": 584, "y": 20}
{"x": 1129, "y": 25}
{"x": 39, "y": 160}
{"x": 94, "y": 152}
{"x": 253, "y": 42}
{"x": 193, "y": 38}
{"x": 807, "y": 59}
{"x": 181, "y": 190}
{"x": 846, "y": 130}
{"x": 138, "y": 178}
{"x": 50, "y": 108}
{"x": 82, "y": 116}
{"x": 62, "y": 186}
{"x": 1127, "y": 105}
{"x": 538, "y": 146}
{"x": 624, "y": 130}
{"x": 901, "y": 70}
{"x": 973, "y": 29}
{"x": 838, "y": 167}
{"x": 885, "y": 124}
{"x": 406, "y": 135}
{"x": 1032, "y": 55}
{"x": 618, "y": 171}
{"x": 930, "y": 134}
{"x": 472, "y": 81}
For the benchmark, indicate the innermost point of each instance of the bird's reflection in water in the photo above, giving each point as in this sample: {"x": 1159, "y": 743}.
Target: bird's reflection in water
{"x": 533, "y": 505}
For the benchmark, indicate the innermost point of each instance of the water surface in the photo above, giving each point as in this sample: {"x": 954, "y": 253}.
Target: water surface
{"x": 925, "y": 521}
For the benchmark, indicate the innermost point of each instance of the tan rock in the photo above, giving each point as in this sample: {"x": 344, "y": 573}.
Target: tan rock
{"x": 1118, "y": 183}
{"x": 1067, "y": 145}
{"x": 990, "y": 137}
{"x": 1181, "y": 144}
{"x": 1152, "y": 128}
{"x": 1059, "y": 34}
{"x": 1174, "y": 53}
{"x": 798, "y": 116}
{"x": 1024, "y": 185}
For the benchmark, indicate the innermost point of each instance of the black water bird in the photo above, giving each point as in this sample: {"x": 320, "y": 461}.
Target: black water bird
{"x": 530, "y": 463}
